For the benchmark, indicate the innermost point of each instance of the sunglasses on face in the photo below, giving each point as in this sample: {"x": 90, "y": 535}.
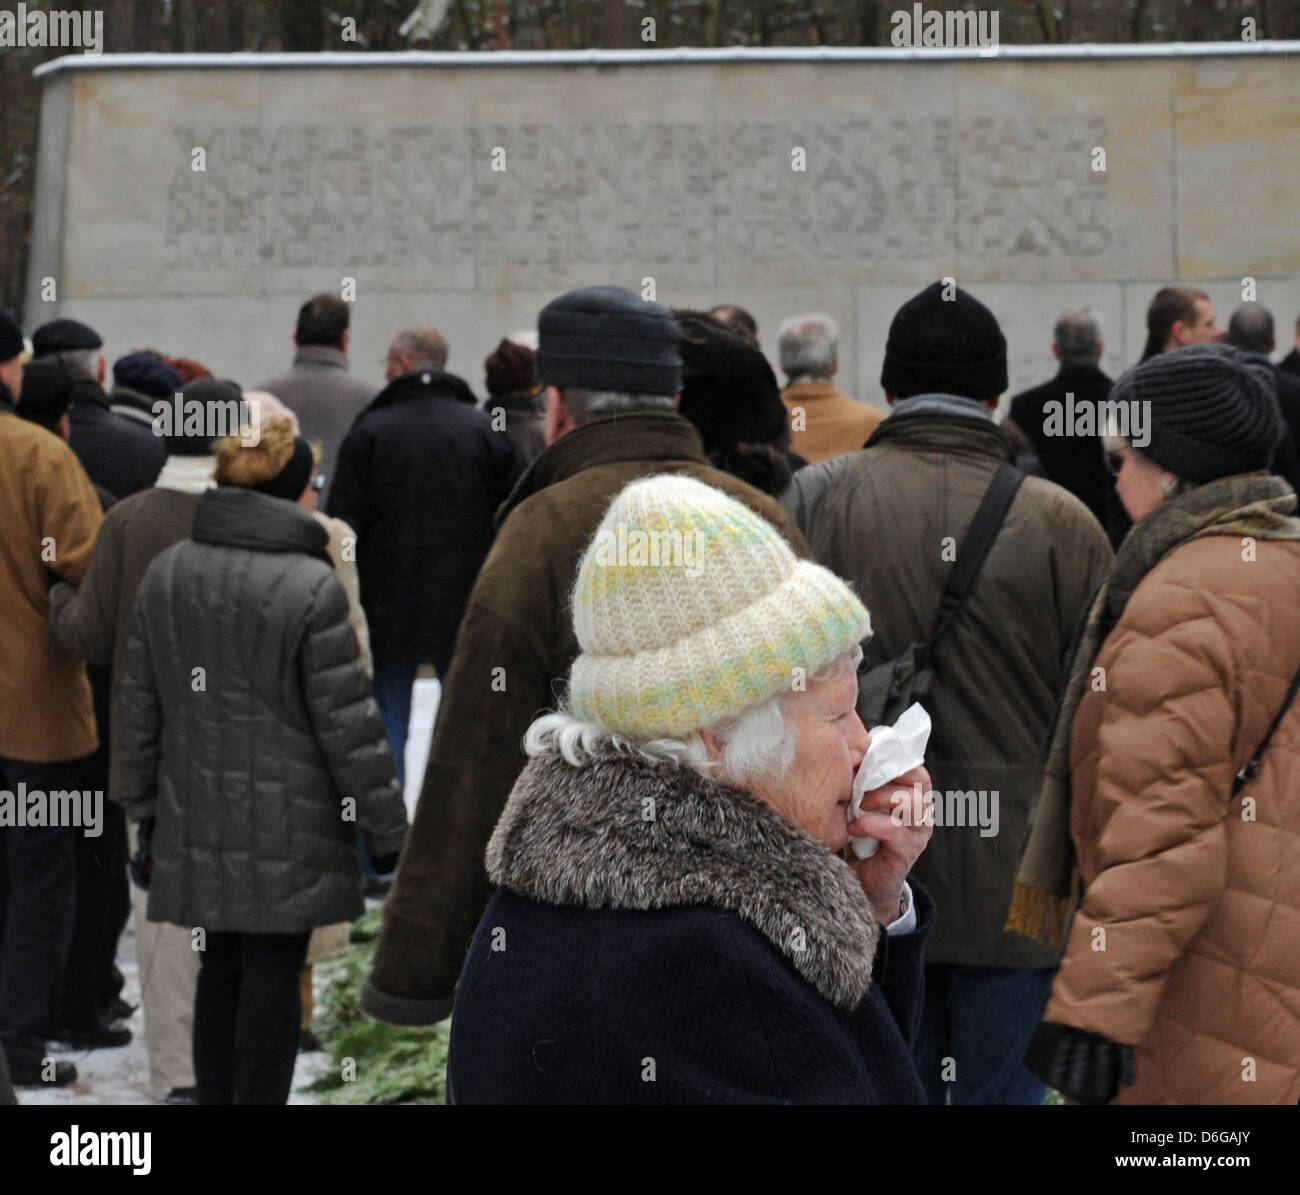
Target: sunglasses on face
{"x": 1115, "y": 460}
{"x": 318, "y": 482}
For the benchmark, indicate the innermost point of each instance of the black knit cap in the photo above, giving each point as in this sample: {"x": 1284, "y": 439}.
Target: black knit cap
{"x": 728, "y": 388}
{"x": 605, "y": 338}
{"x": 1212, "y": 410}
{"x": 216, "y": 395}
{"x": 47, "y": 393}
{"x": 292, "y": 479}
{"x": 945, "y": 346}
{"x": 11, "y": 338}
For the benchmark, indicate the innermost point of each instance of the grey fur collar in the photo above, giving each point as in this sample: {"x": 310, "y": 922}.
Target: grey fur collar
{"x": 625, "y": 833}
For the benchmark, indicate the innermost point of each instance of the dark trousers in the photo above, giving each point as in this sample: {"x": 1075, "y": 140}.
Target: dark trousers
{"x": 91, "y": 980}
{"x": 39, "y": 864}
{"x": 246, "y": 1017}
{"x": 975, "y": 1025}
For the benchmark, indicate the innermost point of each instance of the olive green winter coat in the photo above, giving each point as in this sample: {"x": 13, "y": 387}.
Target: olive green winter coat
{"x": 889, "y": 519}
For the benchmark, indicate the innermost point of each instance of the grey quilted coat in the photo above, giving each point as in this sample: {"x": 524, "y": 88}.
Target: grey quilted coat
{"x": 247, "y": 728}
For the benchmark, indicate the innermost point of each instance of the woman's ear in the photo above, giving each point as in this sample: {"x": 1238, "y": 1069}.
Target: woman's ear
{"x": 712, "y": 744}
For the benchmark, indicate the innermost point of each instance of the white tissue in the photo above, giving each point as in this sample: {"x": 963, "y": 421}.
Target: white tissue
{"x": 894, "y": 750}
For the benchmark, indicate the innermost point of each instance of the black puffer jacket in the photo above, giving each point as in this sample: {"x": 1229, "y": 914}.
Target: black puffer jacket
{"x": 419, "y": 478}
{"x": 246, "y": 726}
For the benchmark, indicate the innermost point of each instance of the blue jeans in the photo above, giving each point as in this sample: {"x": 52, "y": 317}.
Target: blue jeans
{"x": 393, "y": 687}
{"x": 975, "y": 1026}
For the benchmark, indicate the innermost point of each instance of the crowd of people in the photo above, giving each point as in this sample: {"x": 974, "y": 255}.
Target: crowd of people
{"x": 630, "y": 873}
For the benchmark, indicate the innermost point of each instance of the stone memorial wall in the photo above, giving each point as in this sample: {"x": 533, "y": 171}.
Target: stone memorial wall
{"x": 191, "y": 204}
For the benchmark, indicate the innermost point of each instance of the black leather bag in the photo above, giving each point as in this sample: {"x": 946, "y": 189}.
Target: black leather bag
{"x": 886, "y": 690}
{"x": 1250, "y": 769}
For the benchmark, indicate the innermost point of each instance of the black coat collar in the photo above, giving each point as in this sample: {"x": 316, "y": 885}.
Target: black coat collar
{"x": 86, "y": 392}
{"x": 422, "y": 383}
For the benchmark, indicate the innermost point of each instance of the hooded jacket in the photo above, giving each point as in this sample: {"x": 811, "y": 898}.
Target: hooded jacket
{"x": 246, "y": 726}
{"x": 419, "y": 477}
{"x": 715, "y": 953}
{"x": 514, "y": 652}
{"x": 889, "y": 519}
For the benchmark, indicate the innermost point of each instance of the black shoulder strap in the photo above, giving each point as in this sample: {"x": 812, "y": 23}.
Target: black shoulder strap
{"x": 1251, "y": 767}
{"x": 981, "y": 533}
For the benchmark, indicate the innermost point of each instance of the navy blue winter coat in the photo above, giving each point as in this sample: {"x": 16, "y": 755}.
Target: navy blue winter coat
{"x": 717, "y": 954}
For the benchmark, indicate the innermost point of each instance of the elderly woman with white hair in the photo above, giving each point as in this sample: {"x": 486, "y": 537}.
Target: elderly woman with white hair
{"x": 673, "y": 921}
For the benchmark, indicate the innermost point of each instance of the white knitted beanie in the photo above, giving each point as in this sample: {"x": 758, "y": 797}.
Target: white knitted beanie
{"x": 690, "y": 608}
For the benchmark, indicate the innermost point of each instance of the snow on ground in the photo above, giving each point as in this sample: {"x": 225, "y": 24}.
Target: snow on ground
{"x": 121, "y": 1076}
{"x": 419, "y": 734}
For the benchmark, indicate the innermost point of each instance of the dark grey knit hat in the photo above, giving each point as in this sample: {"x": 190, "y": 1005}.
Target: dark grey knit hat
{"x": 11, "y": 337}
{"x": 216, "y": 396}
{"x": 945, "y": 346}
{"x": 605, "y": 338}
{"x": 1212, "y": 410}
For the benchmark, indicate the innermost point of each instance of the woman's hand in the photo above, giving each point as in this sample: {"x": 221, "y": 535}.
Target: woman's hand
{"x": 900, "y": 815}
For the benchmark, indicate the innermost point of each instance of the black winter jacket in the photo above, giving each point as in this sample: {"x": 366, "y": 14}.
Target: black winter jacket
{"x": 1077, "y": 463}
{"x": 118, "y": 453}
{"x": 247, "y": 728}
{"x": 419, "y": 477}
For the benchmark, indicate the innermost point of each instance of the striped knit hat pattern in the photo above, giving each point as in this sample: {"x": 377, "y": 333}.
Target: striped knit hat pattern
{"x": 689, "y": 609}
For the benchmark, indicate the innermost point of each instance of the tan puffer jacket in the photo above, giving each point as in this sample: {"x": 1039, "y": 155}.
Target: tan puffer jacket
{"x": 1187, "y": 941}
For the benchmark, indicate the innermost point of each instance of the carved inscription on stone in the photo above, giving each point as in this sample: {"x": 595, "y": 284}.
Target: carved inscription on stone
{"x": 543, "y": 204}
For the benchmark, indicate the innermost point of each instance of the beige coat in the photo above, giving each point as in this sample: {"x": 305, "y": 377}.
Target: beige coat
{"x": 50, "y": 517}
{"x": 824, "y": 421}
{"x": 343, "y": 552}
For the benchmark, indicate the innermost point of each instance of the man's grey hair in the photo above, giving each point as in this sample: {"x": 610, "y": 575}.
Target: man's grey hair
{"x": 77, "y": 363}
{"x": 1251, "y": 329}
{"x": 808, "y": 345}
{"x": 426, "y": 346}
{"x": 586, "y": 405}
{"x": 1077, "y": 336}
